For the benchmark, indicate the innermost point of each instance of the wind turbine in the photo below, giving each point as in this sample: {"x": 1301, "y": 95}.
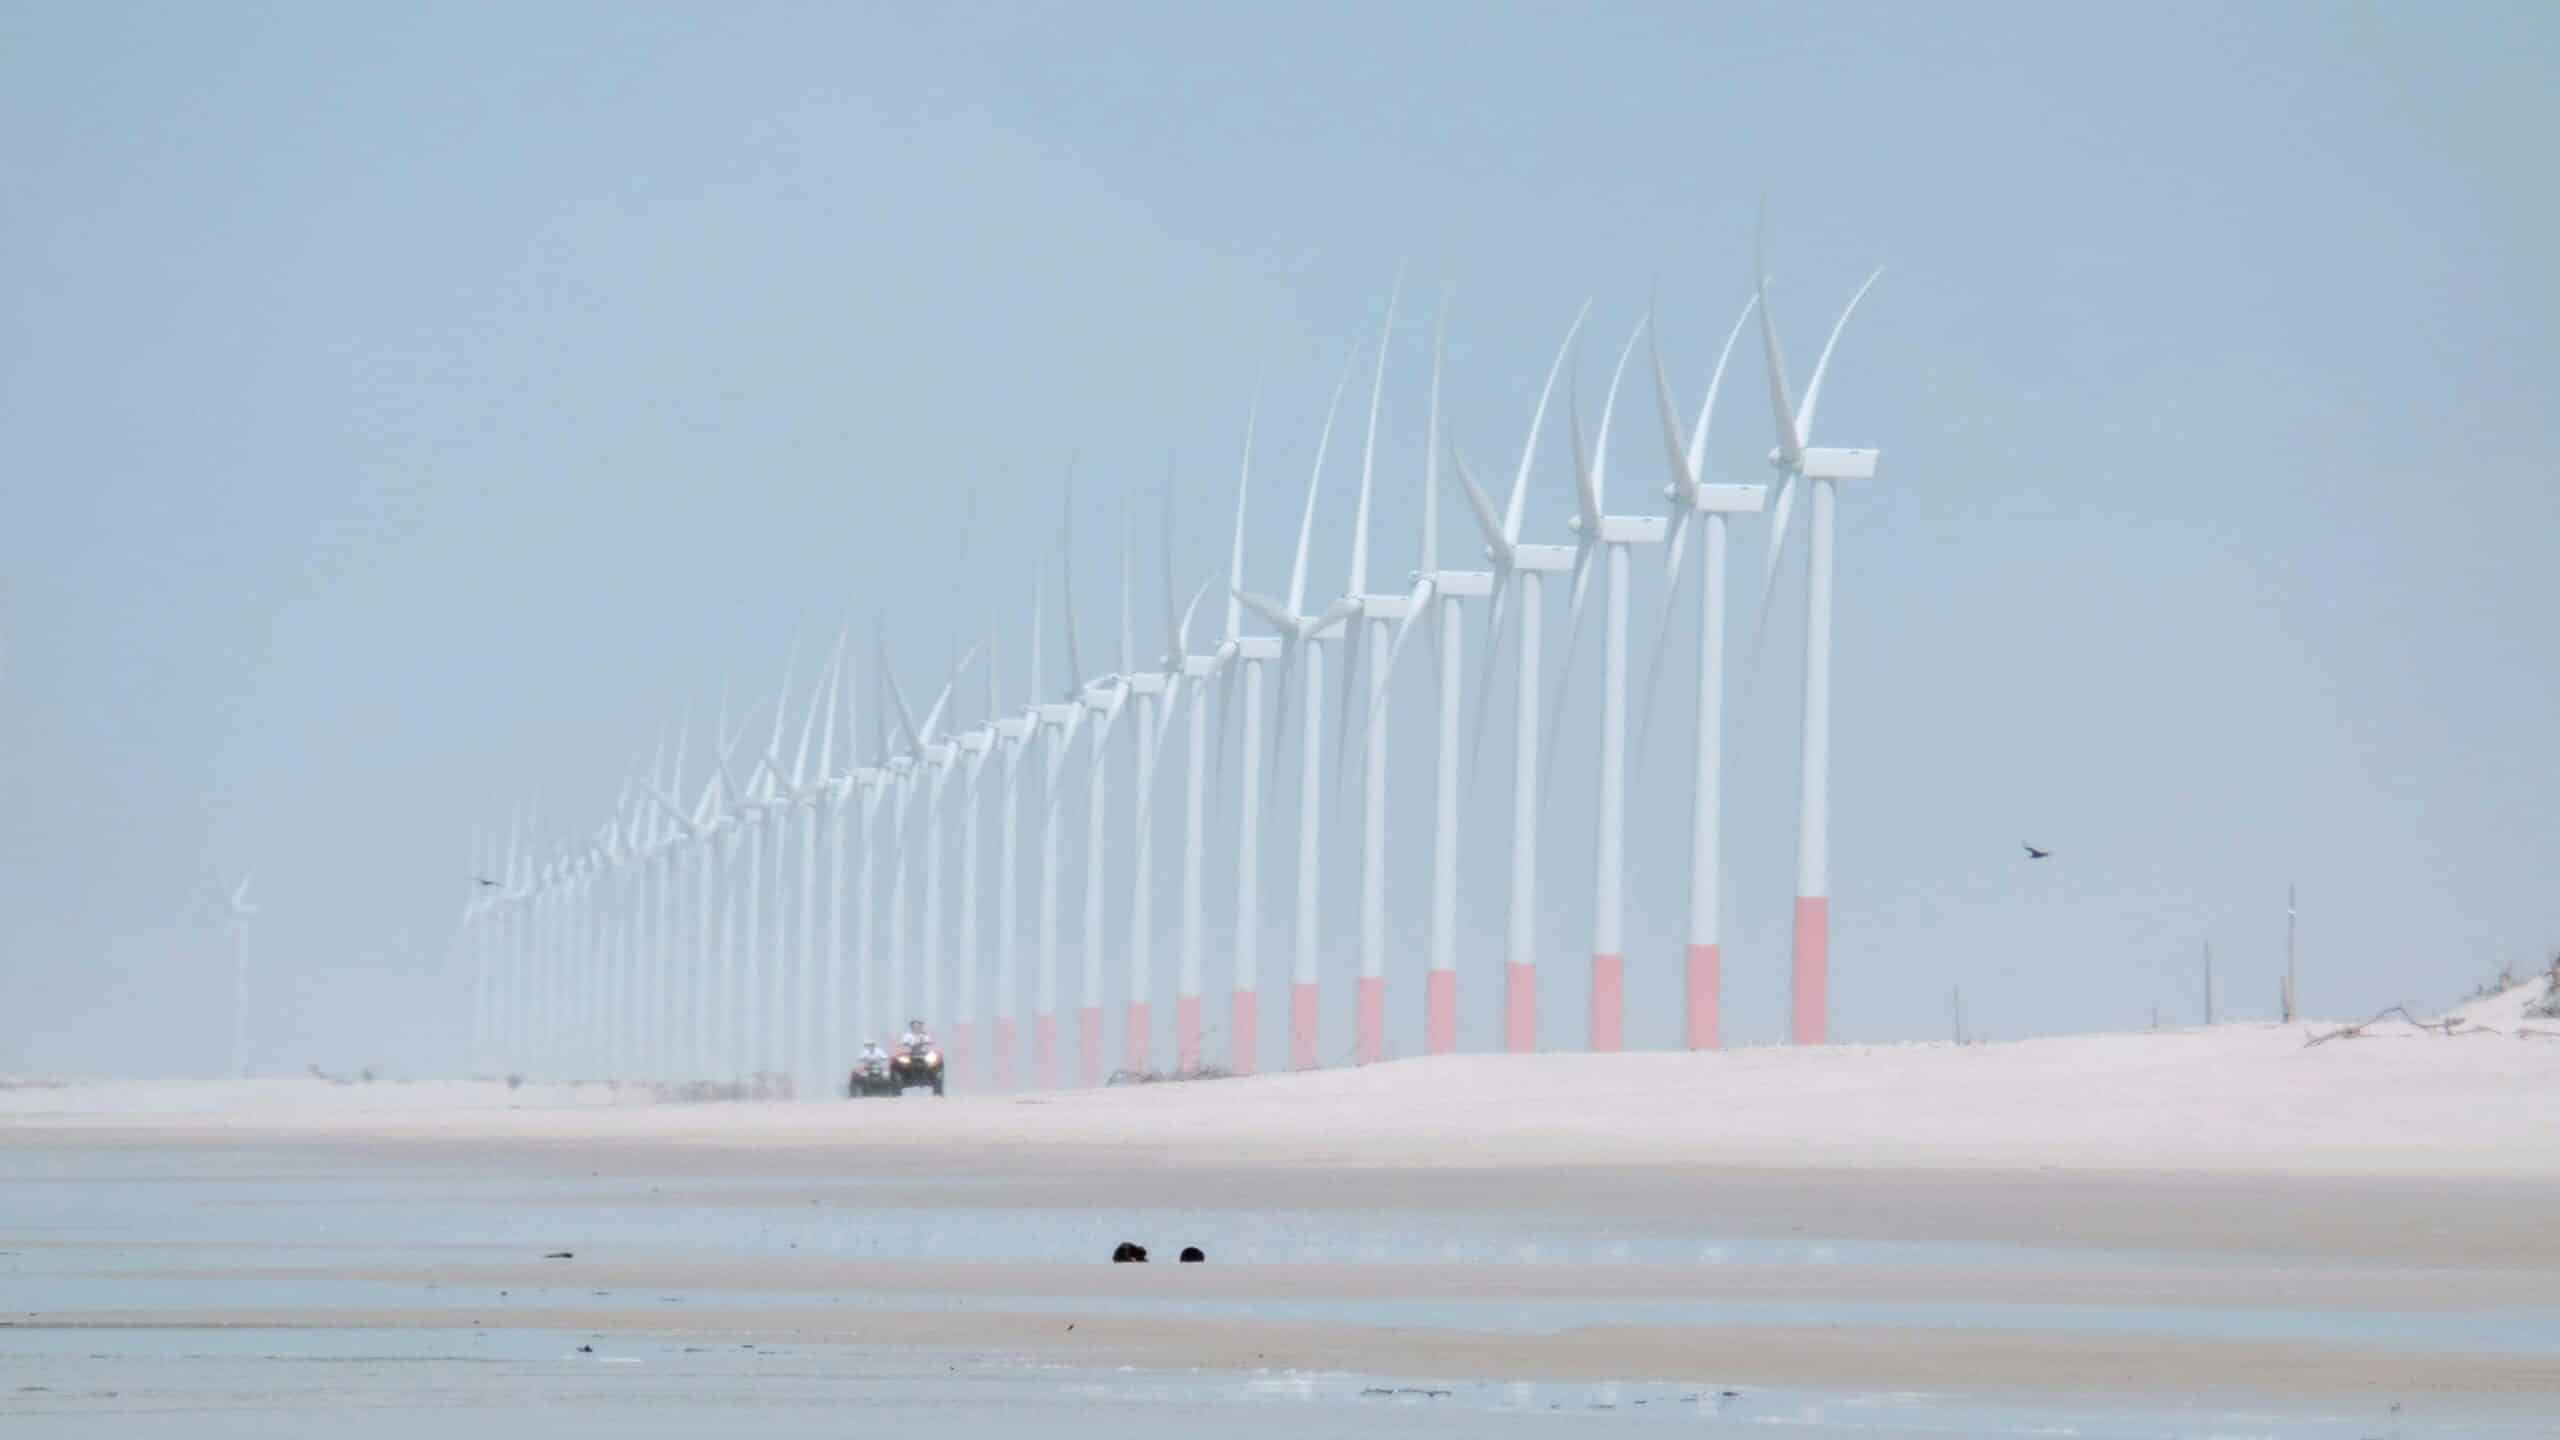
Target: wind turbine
{"x": 1013, "y": 736}
{"x": 1054, "y": 720}
{"x": 762, "y": 805}
{"x": 705, "y": 829}
{"x": 1147, "y": 687}
{"x": 1373, "y": 614}
{"x": 240, "y": 913}
{"x": 1436, "y": 595}
{"x": 1530, "y": 565}
{"x": 1820, "y": 470}
{"x": 1611, "y": 539}
{"x": 1180, "y": 665}
{"x": 809, "y": 795}
{"x": 1302, "y": 638}
{"x": 1711, "y": 506}
{"x": 1102, "y": 696}
{"x": 975, "y": 746}
{"x": 1244, "y": 1024}
{"x": 926, "y": 748}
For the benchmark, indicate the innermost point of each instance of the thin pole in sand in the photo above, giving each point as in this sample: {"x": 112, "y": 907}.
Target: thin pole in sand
{"x": 2291, "y": 995}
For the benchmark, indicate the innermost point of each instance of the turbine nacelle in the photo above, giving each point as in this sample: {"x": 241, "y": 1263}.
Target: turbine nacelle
{"x": 1542, "y": 559}
{"x": 1625, "y": 529}
{"x": 1456, "y": 584}
{"x": 1257, "y": 647}
{"x": 1386, "y": 607}
{"x": 1830, "y": 463}
{"x": 1145, "y": 682}
{"x": 1056, "y": 717}
{"x": 1017, "y": 727}
{"x": 1732, "y": 499}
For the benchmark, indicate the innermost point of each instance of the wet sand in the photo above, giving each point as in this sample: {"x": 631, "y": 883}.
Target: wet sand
{"x": 1830, "y": 1357}
{"x": 2158, "y": 1218}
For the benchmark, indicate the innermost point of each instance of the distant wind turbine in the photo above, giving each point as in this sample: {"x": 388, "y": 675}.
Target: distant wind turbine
{"x": 1821, "y": 470}
{"x": 240, "y": 913}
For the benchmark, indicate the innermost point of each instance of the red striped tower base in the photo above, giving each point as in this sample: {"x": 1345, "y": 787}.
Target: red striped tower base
{"x": 1302, "y": 1026}
{"x": 1135, "y": 1041}
{"x": 1373, "y": 1019}
{"x": 1186, "y": 1034}
{"x": 1813, "y": 970}
{"x": 1519, "y": 1008}
{"x": 1608, "y": 1002}
{"x": 1440, "y": 1012}
{"x": 1089, "y": 1045}
{"x": 1706, "y": 979}
{"x": 1244, "y": 1033}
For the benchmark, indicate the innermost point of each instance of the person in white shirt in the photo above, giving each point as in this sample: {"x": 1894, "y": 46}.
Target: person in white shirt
{"x": 916, "y": 1035}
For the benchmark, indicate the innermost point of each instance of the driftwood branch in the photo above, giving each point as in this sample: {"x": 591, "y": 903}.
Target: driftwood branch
{"x": 2453, "y": 1026}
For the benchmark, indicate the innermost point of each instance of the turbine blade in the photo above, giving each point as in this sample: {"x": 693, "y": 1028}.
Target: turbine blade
{"x": 1769, "y": 564}
{"x": 1420, "y": 601}
{"x": 835, "y": 683}
{"x": 1359, "y": 582}
{"x": 1684, "y": 473}
{"x": 898, "y": 698}
{"x": 1822, "y": 365}
{"x": 1244, "y": 479}
{"x": 1128, "y": 589}
{"x": 1431, "y": 447}
{"x": 1680, "y": 516}
{"x": 1067, "y": 587}
{"x": 1306, "y": 522}
{"x": 1353, "y": 636}
{"x": 1492, "y": 667}
{"x": 1781, "y": 405}
{"x": 1554, "y": 731}
{"x": 1715, "y": 382}
{"x": 1529, "y": 450}
{"x": 1586, "y": 492}
{"x": 1176, "y": 626}
{"x": 1608, "y": 414}
{"x": 1496, "y": 538}
{"x": 1269, "y": 609}
{"x": 1182, "y": 626}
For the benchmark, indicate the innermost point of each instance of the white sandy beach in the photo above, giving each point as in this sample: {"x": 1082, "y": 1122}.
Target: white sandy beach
{"x": 2166, "y": 1214}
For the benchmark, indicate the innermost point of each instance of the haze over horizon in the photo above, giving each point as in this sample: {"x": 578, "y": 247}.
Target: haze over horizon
{"x": 410, "y": 413}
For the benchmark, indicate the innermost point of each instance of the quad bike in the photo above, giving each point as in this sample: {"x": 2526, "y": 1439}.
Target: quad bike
{"x": 917, "y": 1064}
{"x": 871, "y": 1077}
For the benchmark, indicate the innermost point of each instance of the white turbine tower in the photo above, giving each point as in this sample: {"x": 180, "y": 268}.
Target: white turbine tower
{"x": 1436, "y": 596}
{"x": 1302, "y": 638}
{"x": 1013, "y": 736}
{"x": 1530, "y": 564}
{"x": 975, "y": 746}
{"x": 1609, "y": 539}
{"x": 1710, "y": 506}
{"x": 240, "y": 912}
{"x": 1053, "y": 719}
{"x": 836, "y": 803}
{"x": 1797, "y": 460}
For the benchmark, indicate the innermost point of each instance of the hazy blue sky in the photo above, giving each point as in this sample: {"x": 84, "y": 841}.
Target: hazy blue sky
{"x": 407, "y": 407}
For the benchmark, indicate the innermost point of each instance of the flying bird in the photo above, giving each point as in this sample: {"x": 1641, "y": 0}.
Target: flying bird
{"x": 2033, "y": 853}
{"x": 485, "y": 882}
